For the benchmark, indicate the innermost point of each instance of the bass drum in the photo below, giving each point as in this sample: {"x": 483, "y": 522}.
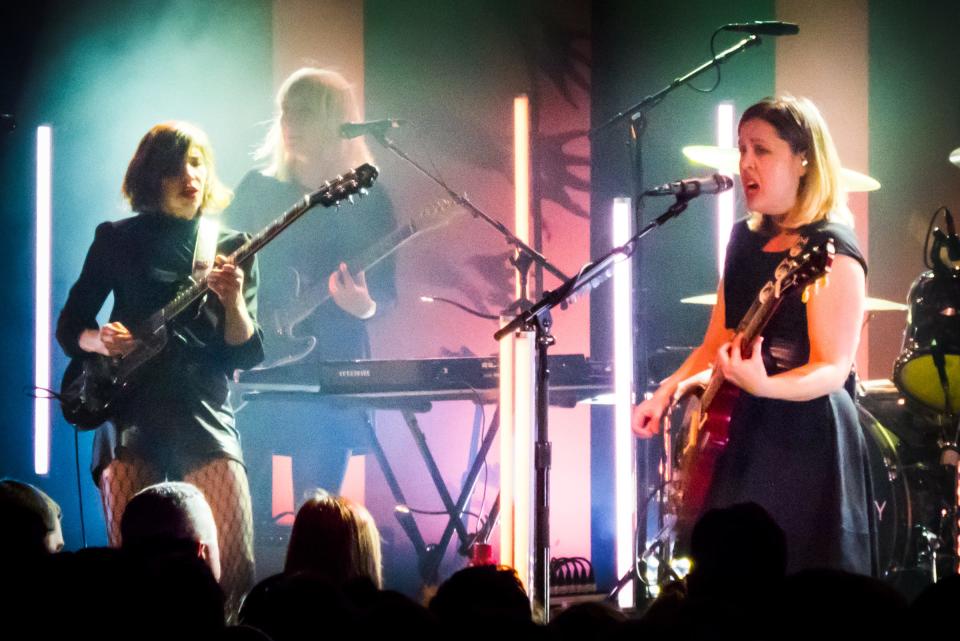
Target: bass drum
{"x": 901, "y": 500}
{"x": 890, "y": 501}
{"x": 928, "y": 369}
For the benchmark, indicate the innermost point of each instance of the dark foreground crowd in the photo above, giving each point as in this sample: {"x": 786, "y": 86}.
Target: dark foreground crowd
{"x": 162, "y": 583}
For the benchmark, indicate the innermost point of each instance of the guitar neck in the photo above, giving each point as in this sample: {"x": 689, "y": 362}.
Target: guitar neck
{"x": 332, "y": 193}
{"x": 183, "y": 300}
{"x": 317, "y": 293}
{"x": 751, "y": 326}
{"x": 796, "y": 271}
{"x": 382, "y": 248}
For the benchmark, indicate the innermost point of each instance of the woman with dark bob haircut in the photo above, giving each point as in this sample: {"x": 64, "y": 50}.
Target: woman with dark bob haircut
{"x": 795, "y": 444}
{"x": 176, "y": 422}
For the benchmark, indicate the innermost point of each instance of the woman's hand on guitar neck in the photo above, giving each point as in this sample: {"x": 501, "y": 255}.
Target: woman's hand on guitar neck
{"x": 351, "y": 294}
{"x": 749, "y": 374}
{"x": 226, "y": 281}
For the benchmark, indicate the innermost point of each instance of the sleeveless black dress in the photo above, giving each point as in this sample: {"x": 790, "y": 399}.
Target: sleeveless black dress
{"x": 804, "y": 462}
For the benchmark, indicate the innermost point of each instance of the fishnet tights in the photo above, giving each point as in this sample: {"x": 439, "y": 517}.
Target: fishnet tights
{"x": 224, "y": 484}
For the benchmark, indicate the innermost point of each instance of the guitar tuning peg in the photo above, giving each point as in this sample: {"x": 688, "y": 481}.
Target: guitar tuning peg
{"x": 350, "y": 198}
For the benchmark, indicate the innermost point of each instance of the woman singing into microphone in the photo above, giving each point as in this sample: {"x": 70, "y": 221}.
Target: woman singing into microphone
{"x": 795, "y": 443}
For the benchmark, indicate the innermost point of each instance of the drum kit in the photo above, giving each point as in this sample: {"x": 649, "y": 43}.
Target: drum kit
{"x": 911, "y": 423}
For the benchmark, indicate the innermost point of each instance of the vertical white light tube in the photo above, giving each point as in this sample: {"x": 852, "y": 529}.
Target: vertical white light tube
{"x": 517, "y": 374}
{"x": 725, "y": 201}
{"x": 524, "y": 437}
{"x": 41, "y": 358}
{"x": 623, "y": 358}
{"x": 507, "y": 429}
{"x": 521, "y": 174}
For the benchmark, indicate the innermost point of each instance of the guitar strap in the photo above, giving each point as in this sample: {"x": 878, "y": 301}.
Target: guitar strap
{"x": 205, "y": 251}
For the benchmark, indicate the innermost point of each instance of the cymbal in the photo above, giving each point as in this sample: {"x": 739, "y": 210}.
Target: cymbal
{"x": 955, "y": 156}
{"x": 727, "y": 160}
{"x": 873, "y": 304}
{"x": 702, "y": 299}
{"x": 884, "y": 305}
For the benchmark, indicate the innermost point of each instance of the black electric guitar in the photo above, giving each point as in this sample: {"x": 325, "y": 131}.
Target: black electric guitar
{"x": 93, "y": 383}
{"x": 281, "y": 344}
{"x": 708, "y": 427}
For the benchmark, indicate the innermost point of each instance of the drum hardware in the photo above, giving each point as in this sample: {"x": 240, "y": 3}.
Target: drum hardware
{"x": 909, "y": 503}
{"x": 872, "y": 304}
{"x": 928, "y": 368}
{"x": 950, "y": 461}
{"x": 932, "y": 542}
{"x": 917, "y": 427}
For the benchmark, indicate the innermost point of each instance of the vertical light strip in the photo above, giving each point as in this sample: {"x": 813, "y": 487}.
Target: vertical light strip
{"x": 517, "y": 420}
{"x": 623, "y": 358}
{"x": 521, "y": 174}
{"x": 524, "y": 421}
{"x": 725, "y": 201}
{"x": 522, "y": 357}
{"x": 41, "y": 339}
{"x": 506, "y": 449}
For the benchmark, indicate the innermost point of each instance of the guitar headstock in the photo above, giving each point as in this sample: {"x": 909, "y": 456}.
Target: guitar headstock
{"x": 803, "y": 267}
{"x": 354, "y": 182}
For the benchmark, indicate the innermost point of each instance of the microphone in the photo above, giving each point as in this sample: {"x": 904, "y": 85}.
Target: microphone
{"x": 764, "y": 28}
{"x": 693, "y": 187}
{"x": 372, "y": 127}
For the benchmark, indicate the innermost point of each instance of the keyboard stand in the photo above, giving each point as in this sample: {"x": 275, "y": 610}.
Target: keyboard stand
{"x": 431, "y": 556}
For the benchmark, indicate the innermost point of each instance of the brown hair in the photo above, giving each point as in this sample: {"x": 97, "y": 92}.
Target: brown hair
{"x": 161, "y": 154}
{"x": 798, "y": 123}
{"x": 335, "y": 538}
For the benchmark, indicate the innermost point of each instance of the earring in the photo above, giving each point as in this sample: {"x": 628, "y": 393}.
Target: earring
{"x": 804, "y": 163}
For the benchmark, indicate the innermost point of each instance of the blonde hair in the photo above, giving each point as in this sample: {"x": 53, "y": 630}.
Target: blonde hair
{"x": 161, "y": 154}
{"x": 332, "y": 96}
{"x": 820, "y": 196}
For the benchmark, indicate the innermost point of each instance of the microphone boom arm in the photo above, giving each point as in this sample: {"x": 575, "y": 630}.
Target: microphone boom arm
{"x": 464, "y": 202}
{"x": 591, "y": 275}
{"x": 653, "y": 99}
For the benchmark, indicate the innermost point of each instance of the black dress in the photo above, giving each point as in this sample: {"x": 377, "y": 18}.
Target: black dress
{"x": 804, "y": 462}
{"x": 178, "y": 414}
{"x": 318, "y": 435}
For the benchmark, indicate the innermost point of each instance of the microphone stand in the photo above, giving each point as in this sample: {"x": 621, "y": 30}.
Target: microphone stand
{"x": 637, "y": 125}
{"x": 538, "y": 319}
{"x": 527, "y": 254}
{"x": 654, "y": 99}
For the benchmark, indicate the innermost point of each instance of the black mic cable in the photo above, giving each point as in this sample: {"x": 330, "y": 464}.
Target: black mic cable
{"x": 755, "y": 29}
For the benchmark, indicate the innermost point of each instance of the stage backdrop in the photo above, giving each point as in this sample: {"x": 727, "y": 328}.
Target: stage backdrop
{"x": 102, "y": 71}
